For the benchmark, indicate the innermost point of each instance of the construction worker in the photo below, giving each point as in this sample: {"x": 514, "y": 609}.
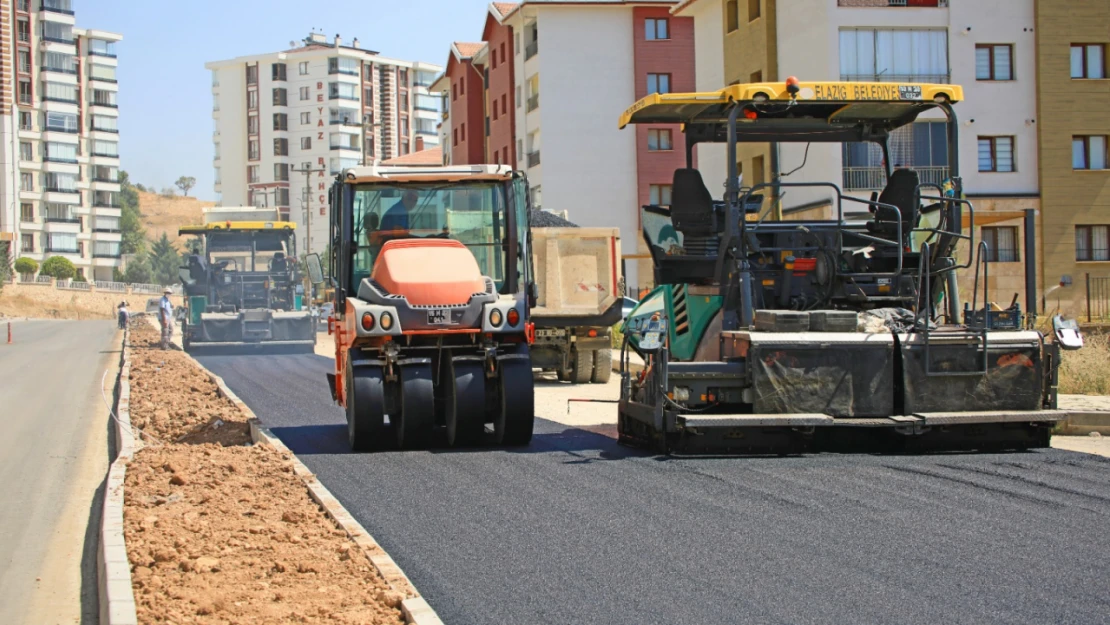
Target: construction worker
{"x": 165, "y": 316}
{"x": 397, "y": 217}
{"x": 123, "y": 315}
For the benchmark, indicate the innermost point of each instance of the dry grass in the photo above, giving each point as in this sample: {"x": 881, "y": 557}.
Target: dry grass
{"x": 1087, "y": 371}
{"x": 162, "y": 214}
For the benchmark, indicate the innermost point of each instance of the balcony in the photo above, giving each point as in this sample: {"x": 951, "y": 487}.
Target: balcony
{"x": 52, "y": 249}
{"x": 107, "y": 255}
{"x": 95, "y": 128}
{"x": 533, "y": 158}
{"x": 67, "y": 130}
{"x": 533, "y": 102}
{"x": 106, "y": 204}
{"x": 104, "y": 154}
{"x": 59, "y": 159}
{"x": 62, "y": 220}
{"x": 59, "y": 70}
{"x": 885, "y": 77}
{"x": 111, "y": 105}
{"x": 531, "y": 50}
{"x": 56, "y": 6}
{"x": 893, "y": 3}
{"x": 874, "y": 178}
{"x": 52, "y": 189}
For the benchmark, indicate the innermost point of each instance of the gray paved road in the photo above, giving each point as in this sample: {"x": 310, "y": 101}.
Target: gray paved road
{"x": 576, "y": 529}
{"x": 52, "y": 460}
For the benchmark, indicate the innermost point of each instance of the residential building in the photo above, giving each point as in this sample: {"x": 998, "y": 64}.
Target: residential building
{"x": 1073, "y": 132}
{"x": 59, "y": 164}
{"x": 596, "y": 59}
{"x": 987, "y": 46}
{"x": 286, "y": 122}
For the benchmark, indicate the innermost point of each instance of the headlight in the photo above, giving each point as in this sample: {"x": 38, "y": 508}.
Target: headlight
{"x": 495, "y": 318}
{"x": 387, "y": 321}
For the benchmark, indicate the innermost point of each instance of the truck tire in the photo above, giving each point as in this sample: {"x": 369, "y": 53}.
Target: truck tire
{"x": 516, "y": 416}
{"x": 581, "y": 367}
{"x": 603, "y": 366}
{"x": 563, "y": 374}
{"x": 366, "y": 429}
{"x": 465, "y": 405}
{"x": 414, "y": 426}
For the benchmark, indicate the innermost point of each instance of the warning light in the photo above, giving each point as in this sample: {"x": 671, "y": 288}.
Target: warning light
{"x": 750, "y": 114}
{"x": 792, "y": 86}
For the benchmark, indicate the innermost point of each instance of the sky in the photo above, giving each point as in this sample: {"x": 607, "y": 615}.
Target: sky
{"x": 165, "y": 95}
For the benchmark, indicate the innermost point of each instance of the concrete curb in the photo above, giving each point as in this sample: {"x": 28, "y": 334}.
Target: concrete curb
{"x": 415, "y": 609}
{"x": 1083, "y": 423}
{"x": 117, "y": 597}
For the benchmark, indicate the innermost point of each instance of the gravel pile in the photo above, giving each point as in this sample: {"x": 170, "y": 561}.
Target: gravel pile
{"x": 544, "y": 219}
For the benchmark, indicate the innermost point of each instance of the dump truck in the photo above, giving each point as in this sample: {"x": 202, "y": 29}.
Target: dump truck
{"x": 767, "y": 336}
{"x": 578, "y": 278}
{"x": 433, "y": 286}
{"x": 243, "y": 289}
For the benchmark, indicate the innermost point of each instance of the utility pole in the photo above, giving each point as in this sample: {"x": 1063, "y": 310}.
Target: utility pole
{"x": 306, "y": 201}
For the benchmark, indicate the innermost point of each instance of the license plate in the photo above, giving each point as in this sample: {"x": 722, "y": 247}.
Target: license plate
{"x": 439, "y": 316}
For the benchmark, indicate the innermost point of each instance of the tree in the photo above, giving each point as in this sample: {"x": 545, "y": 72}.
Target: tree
{"x": 131, "y": 220}
{"x": 58, "y": 267}
{"x": 138, "y": 270}
{"x": 26, "y": 266}
{"x": 5, "y": 263}
{"x": 185, "y": 183}
{"x": 165, "y": 260}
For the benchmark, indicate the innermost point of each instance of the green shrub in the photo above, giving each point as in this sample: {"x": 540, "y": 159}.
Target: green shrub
{"x": 26, "y": 266}
{"x": 58, "y": 267}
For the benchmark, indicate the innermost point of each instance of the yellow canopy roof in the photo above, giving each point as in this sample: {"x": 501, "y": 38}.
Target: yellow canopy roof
{"x": 829, "y": 103}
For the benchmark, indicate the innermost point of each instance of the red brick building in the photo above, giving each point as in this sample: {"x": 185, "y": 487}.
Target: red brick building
{"x": 465, "y": 99}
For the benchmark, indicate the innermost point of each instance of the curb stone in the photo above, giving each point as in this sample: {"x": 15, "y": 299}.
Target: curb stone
{"x": 117, "y": 597}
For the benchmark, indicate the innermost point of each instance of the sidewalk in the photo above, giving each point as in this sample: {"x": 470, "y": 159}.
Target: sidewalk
{"x": 1090, "y": 413}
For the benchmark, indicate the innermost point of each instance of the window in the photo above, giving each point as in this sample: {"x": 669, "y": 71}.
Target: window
{"x": 25, "y": 120}
{"x": 342, "y": 90}
{"x": 27, "y": 212}
{"x": 102, "y": 97}
{"x": 462, "y": 131}
{"x": 306, "y": 143}
{"x": 105, "y": 148}
{"x": 423, "y": 102}
{"x": 504, "y": 103}
{"x": 252, "y": 173}
{"x": 306, "y": 118}
{"x": 659, "y": 195}
{"x": 305, "y": 95}
{"x": 1092, "y": 243}
{"x": 277, "y": 71}
{"x": 66, "y": 243}
{"x": 27, "y": 242}
{"x": 281, "y": 171}
{"x": 994, "y": 62}
{"x": 24, "y": 91}
{"x": 252, "y": 74}
{"x": 56, "y": 31}
{"x": 1001, "y": 244}
{"x": 60, "y": 152}
{"x": 25, "y": 61}
{"x": 252, "y": 125}
{"x": 281, "y": 121}
{"x": 656, "y": 29}
{"x": 302, "y": 68}
{"x": 732, "y": 16}
{"x": 454, "y": 136}
{"x": 65, "y": 122}
{"x": 281, "y": 96}
{"x": 369, "y": 146}
{"x": 58, "y": 62}
{"x": 281, "y": 147}
{"x": 26, "y": 151}
{"x": 918, "y": 55}
{"x": 252, "y": 149}
{"x": 368, "y": 95}
{"x": 659, "y": 140}
{"x": 252, "y": 100}
{"x": 1088, "y": 152}
{"x": 64, "y": 183}
{"x": 343, "y": 65}
{"x": 495, "y": 105}
{"x": 404, "y": 102}
{"x": 26, "y": 181}
{"x": 102, "y": 123}
{"x": 1088, "y": 60}
{"x": 99, "y": 47}
{"x": 403, "y": 77}
{"x": 404, "y": 126}
{"x": 996, "y": 154}
{"x": 658, "y": 83}
{"x": 60, "y": 92}
{"x": 103, "y": 73}
{"x": 24, "y": 27}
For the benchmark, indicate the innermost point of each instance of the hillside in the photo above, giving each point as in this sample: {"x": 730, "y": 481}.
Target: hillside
{"x": 162, "y": 214}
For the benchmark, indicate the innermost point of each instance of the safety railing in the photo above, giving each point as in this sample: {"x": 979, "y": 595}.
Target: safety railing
{"x": 107, "y": 285}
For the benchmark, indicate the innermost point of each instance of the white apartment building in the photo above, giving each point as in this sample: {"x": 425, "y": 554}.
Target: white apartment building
{"x": 59, "y": 138}
{"x": 320, "y": 106}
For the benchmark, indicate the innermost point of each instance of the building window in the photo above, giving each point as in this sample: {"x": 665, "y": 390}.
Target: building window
{"x": 903, "y": 55}
{"x": 1001, "y": 244}
{"x": 304, "y": 94}
{"x": 659, "y": 195}
{"x": 281, "y": 97}
{"x": 277, "y": 71}
{"x": 1088, "y": 152}
{"x": 1088, "y": 60}
{"x": 302, "y": 68}
{"x": 252, "y": 125}
{"x": 656, "y": 29}
{"x": 252, "y": 74}
{"x": 27, "y": 242}
{"x": 25, "y": 61}
{"x": 26, "y": 181}
{"x": 306, "y": 143}
{"x": 252, "y": 149}
{"x": 368, "y": 145}
{"x": 996, "y": 154}
{"x": 659, "y": 140}
{"x": 252, "y": 173}
{"x": 1092, "y": 243}
{"x": 343, "y": 65}
{"x": 281, "y": 171}
{"x": 252, "y": 100}
{"x": 732, "y": 15}
{"x": 26, "y": 151}
{"x": 24, "y": 28}
{"x": 24, "y": 91}
{"x": 753, "y": 10}
{"x": 994, "y": 62}
{"x": 25, "y": 122}
{"x": 281, "y": 121}
{"x": 658, "y": 83}
{"x": 403, "y": 78}
{"x": 281, "y": 147}
{"x": 27, "y": 212}
{"x": 306, "y": 118}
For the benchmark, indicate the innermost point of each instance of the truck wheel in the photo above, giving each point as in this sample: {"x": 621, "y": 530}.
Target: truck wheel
{"x": 563, "y": 374}
{"x": 414, "y": 425}
{"x": 366, "y": 427}
{"x": 581, "y": 367}
{"x": 517, "y": 414}
{"x": 603, "y": 366}
{"x": 466, "y": 403}
{"x": 185, "y": 342}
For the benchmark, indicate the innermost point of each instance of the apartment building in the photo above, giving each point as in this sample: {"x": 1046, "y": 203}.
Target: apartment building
{"x": 318, "y": 107}
{"x": 59, "y": 137}
{"x": 987, "y": 46}
{"x": 1073, "y": 127}
{"x": 551, "y": 108}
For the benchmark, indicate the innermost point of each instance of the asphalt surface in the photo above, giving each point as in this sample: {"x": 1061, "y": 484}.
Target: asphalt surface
{"x": 52, "y": 460}
{"x": 576, "y": 529}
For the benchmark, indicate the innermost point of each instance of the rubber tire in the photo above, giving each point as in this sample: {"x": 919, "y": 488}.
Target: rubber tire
{"x": 414, "y": 425}
{"x": 581, "y": 367}
{"x": 465, "y": 406}
{"x": 603, "y": 366}
{"x": 563, "y": 374}
{"x": 186, "y": 344}
{"x": 366, "y": 428}
{"x": 517, "y": 414}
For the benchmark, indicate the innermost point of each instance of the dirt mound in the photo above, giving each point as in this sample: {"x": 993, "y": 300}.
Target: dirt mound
{"x": 166, "y": 215}
{"x": 174, "y": 400}
{"x": 46, "y": 302}
{"x": 229, "y": 535}
{"x": 545, "y": 219}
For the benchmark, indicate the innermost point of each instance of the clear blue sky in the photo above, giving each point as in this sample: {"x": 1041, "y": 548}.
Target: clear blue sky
{"x": 165, "y": 94}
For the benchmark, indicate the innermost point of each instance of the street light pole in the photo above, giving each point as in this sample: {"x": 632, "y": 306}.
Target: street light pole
{"x": 307, "y": 205}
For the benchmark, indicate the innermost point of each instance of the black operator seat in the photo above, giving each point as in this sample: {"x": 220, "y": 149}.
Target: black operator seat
{"x": 198, "y": 271}
{"x": 900, "y": 191}
{"x": 692, "y": 210}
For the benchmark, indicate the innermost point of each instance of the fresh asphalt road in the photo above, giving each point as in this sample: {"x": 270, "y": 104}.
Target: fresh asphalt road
{"x": 576, "y": 529}
{"x": 52, "y": 460}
